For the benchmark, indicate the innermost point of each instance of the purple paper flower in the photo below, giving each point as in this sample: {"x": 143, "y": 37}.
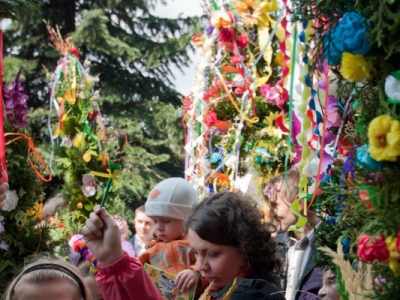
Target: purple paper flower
{"x": 209, "y": 30}
{"x": 15, "y": 104}
{"x": 4, "y": 246}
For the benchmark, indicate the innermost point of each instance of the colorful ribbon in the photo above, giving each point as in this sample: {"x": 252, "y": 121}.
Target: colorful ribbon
{"x": 31, "y": 149}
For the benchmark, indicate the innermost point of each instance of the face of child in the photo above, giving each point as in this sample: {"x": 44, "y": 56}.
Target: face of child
{"x": 328, "y": 290}
{"x": 281, "y": 214}
{"x": 219, "y": 264}
{"x": 60, "y": 289}
{"x": 168, "y": 229}
{"x": 144, "y": 226}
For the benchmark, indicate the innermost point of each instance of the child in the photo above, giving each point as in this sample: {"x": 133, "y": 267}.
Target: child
{"x": 123, "y": 230}
{"x": 89, "y": 277}
{"x": 328, "y": 290}
{"x": 54, "y": 278}
{"x": 234, "y": 249}
{"x": 168, "y": 205}
{"x": 120, "y": 277}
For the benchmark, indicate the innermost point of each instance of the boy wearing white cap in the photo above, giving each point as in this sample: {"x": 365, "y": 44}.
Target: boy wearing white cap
{"x": 168, "y": 204}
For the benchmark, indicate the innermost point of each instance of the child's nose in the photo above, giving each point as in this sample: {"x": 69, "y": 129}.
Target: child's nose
{"x": 322, "y": 293}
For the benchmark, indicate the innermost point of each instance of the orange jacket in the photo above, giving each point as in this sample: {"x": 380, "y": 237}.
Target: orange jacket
{"x": 172, "y": 257}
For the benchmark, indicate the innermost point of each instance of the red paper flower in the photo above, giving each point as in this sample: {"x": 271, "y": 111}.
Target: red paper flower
{"x": 369, "y": 250}
{"x": 242, "y": 40}
{"x": 225, "y": 35}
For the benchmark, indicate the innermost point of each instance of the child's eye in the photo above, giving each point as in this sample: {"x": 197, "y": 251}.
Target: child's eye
{"x": 166, "y": 221}
{"x": 212, "y": 254}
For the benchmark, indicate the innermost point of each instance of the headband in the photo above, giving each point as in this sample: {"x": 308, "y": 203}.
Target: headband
{"x": 50, "y": 266}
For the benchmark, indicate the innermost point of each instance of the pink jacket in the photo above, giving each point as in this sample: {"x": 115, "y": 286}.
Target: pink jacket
{"x": 126, "y": 280}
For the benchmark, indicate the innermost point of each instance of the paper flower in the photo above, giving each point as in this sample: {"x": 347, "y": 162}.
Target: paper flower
{"x": 89, "y": 185}
{"x": 271, "y": 94}
{"x": 371, "y": 250}
{"x": 348, "y": 36}
{"x": 364, "y": 159}
{"x": 66, "y": 141}
{"x": 15, "y": 104}
{"x": 394, "y": 264}
{"x": 220, "y": 19}
{"x": 226, "y": 35}
{"x": 354, "y": 67}
{"x": 242, "y": 40}
{"x": 384, "y": 138}
{"x": 4, "y": 246}
{"x": 211, "y": 118}
{"x": 11, "y": 201}
{"x": 392, "y": 87}
{"x": 249, "y": 11}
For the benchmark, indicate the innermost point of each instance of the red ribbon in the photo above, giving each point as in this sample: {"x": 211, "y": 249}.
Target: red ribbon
{"x": 3, "y": 167}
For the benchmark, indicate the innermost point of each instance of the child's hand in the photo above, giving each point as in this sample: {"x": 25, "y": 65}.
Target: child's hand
{"x": 3, "y": 195}
{"x": 102, "y": 236}
{"x": 185, "y": 280}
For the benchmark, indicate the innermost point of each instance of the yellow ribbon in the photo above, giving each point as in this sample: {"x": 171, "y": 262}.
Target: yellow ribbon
{"x": 252, "y": 120}
{"x": 295, "y": 209}
{"x": 109, "y": 175}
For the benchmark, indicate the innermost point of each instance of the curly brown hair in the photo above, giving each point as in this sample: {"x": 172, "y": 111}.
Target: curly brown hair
{"x": 231, "y": 219}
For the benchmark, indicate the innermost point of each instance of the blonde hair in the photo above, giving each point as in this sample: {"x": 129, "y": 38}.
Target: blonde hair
{"x": 46, "y": 269}
{"x": 286, "y": 184}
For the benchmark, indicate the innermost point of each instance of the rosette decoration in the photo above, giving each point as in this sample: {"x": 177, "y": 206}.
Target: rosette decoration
{"x": 235, "y": 119}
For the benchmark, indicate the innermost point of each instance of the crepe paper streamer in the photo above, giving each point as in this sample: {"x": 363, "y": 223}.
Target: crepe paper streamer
{"x": 3, "y": 166}
{"x": 301, "y": 221}
{"x": 322, "y": 146}
{"x": 114, "y": 165}
{"x": 289, "y": 139}
{"x": 31, "y": 149}
{"x": 279, "y": 20}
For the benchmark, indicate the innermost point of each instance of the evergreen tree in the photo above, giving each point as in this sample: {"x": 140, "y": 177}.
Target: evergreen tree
{"x": 132, "y": 51}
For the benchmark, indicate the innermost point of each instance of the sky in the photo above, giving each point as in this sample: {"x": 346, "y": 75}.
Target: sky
{"x": 183, "y": 81}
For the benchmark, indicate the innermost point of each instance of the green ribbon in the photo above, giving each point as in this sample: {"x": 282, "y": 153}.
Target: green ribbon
{"x": 289, "y": 142}
{"x": 215, "y": 5}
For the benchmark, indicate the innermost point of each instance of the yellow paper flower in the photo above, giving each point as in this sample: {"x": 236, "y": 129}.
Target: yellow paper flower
{"x": 394, "y": 264}
{"x": 384, "y": 138}
{"x": 220, "y": 19}
{"x": 249, "y": 10}
{"x": 354, "y": 67}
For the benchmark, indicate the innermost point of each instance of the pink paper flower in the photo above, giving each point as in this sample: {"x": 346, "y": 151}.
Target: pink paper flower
{"x": 210, "y": 118}
{"x": 369, "y": 250}
{"x": 242, "y": 40}
{"x": 240, "y": 90}
{"x": 89, "y": 185}
{"x": 271, "y": 94}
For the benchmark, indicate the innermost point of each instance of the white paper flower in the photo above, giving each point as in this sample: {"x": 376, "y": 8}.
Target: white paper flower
{"x": 66, "y": 141}
{"x": 89, "y": 185}
{"x": 392, "y": 89}
{"x": 11, "y": 201}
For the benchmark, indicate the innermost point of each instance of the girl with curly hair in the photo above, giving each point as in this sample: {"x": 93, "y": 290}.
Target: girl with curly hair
{"x": 234, "y": 249}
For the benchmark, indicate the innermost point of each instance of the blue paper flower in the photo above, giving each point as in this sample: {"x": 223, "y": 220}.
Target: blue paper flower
{"x": 365, "y": 160}
{"x": 215, "y": 158}
{"x": 348, "y": 36}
